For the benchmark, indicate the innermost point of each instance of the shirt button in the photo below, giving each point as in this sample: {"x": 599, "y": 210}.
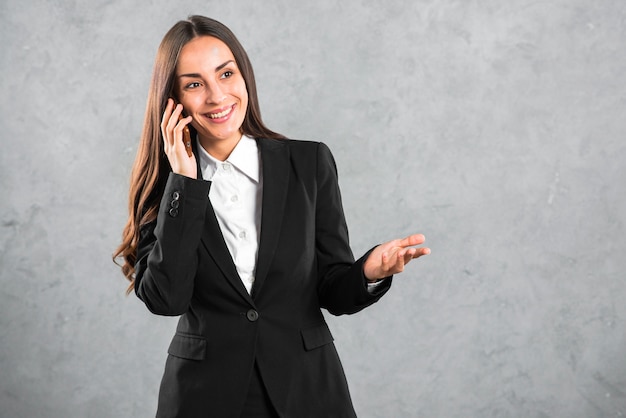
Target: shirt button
{"x": 242, "y": 234}
{"x": 252, "y": 315}
{"x": 226, "y": 166}
{"x": 234, "y": 198}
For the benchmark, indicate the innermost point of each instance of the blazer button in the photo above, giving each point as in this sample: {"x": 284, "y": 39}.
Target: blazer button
{"x": 173, "y": 212}
{"x": 175, "y": 204}
{"x": 175, "y": 195}
{"x": 252, "y": 315}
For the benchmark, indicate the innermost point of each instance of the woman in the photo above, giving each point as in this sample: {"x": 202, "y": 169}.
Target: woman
{"x": 242, "y": 233}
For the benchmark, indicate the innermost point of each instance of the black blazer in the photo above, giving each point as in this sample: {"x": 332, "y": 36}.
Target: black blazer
{"x": 304, "y": 264}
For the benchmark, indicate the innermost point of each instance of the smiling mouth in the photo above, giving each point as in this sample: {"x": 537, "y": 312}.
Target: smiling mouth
{"x": 221, "y": 114}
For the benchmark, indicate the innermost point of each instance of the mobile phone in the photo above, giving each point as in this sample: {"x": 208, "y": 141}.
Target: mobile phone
{"x": 186, "y": 138}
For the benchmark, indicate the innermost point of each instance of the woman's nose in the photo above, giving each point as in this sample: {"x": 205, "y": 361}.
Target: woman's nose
{"x": 215, "y": 94}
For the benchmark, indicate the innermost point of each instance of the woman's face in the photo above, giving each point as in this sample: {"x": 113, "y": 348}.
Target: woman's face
{"x": 212, "y": 90}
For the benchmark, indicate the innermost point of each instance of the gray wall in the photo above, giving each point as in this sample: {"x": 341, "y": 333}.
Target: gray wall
{"x": 496, "y": 128}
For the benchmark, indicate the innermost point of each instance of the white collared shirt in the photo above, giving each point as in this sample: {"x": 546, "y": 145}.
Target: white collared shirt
{"x": 236, "y": 195}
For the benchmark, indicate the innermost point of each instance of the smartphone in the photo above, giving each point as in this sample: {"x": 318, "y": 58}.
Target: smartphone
{"x": 186, "y": 137}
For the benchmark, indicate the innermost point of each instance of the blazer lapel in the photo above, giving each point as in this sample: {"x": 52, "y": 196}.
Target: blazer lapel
{"x": 275, "y": 166}
{"x": 214, "y": 242}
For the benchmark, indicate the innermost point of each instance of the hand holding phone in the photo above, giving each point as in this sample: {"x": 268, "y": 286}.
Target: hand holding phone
{"x": 174, "y": 130}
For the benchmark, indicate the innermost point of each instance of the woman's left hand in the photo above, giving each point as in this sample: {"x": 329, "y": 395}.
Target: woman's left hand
{"x": 391, "y": 257}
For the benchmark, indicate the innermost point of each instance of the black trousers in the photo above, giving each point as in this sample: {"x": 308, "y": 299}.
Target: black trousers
{"x": 258, "y": 403}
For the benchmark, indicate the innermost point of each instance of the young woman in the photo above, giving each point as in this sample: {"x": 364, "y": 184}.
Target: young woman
{"x": 241, "y": 232}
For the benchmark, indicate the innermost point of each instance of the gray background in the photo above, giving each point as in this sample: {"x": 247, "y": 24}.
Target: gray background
{"x": 496, "y": 128}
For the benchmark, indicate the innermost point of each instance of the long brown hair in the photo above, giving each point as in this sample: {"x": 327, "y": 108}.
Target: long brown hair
{"x": 151, "y": 167}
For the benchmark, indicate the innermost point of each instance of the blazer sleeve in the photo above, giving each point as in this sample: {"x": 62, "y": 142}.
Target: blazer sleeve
{"x": 167, "y": 256}
{"x": 342, "y": 286}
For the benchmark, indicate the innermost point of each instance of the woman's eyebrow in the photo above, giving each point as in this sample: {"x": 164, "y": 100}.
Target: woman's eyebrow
{"x": 196, "y": 75}
{"x": 219, "y": 67}
{"x": 192, "y": 75}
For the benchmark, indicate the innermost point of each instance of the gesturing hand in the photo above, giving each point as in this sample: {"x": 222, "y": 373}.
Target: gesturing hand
{"x": 172, "y": 130}
{"x": 391, "y": 257}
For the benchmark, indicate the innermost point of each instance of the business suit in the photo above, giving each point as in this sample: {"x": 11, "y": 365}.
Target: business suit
{"x": 304, "y": 264}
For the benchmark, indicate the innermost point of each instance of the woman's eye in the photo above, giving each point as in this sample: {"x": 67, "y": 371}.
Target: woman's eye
{"x": 193, "y": 85}
{"x": 227, "y": 74}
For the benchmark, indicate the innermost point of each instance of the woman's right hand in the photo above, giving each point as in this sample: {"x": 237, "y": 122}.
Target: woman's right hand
{"x": 172, "y": 131}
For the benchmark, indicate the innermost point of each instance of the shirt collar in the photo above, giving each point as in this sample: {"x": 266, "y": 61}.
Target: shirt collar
{"x": 244, "y": 157}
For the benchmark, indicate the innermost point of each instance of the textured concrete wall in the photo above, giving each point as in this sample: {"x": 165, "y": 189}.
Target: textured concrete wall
{"x": 494, "y": 127}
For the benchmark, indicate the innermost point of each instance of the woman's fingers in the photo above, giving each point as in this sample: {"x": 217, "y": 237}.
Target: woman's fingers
{"x": 165, "y": 121}
{"x": 170, "y": 125}
{"x": 411, "y": 240}
{"x": 391, "y": 257}
{"x": 179, "y": 154}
